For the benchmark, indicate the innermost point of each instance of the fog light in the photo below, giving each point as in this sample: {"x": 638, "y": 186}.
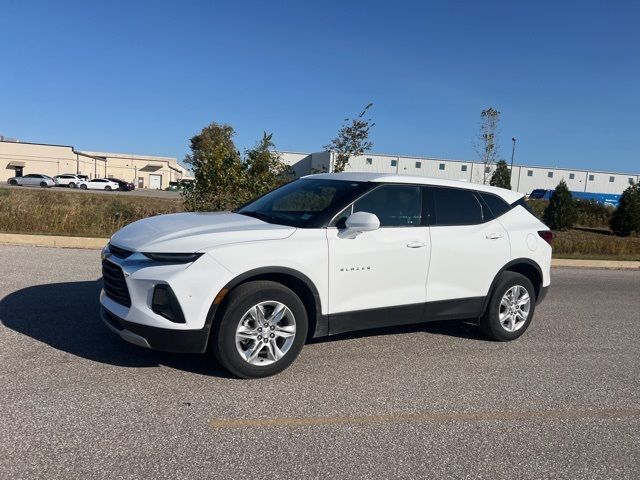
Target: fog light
{"x": 166, "y": 304}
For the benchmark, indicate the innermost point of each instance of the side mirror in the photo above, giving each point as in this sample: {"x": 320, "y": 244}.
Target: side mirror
{"x": 359, "y": 222}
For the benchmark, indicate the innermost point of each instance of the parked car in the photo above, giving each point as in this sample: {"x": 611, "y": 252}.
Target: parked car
{"x": 32, "y": 180}
{"x": 99, "y": 184}
{"x": 323, "y": 255}
{"x": 180, "y": 185}
{"x": 70, "y": 180}
{"x": 122, "y": 185}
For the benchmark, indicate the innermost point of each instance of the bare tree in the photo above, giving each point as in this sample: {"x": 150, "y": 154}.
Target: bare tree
{"x": 352, "y": 140}
{"x": 486, "y": 145}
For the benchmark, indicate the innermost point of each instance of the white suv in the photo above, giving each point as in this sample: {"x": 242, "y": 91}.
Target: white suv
{"x": 323, "y": 255}
{"x": 67, "y": 180}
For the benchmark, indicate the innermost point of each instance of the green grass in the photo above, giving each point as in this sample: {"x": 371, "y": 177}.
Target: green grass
{"x": 76, "y": 214}
{"x": 595, "y": 245}
{"x": 86, "y": 215}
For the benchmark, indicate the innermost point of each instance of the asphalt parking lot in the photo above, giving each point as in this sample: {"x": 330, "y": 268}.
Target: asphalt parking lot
{"x": 138, "y": 192}
{"x": 431, "y": 401}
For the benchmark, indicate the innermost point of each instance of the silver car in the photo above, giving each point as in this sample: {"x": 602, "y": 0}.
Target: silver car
{"x": 32, "y": 180}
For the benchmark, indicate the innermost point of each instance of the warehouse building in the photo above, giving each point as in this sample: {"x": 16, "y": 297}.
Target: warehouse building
{"x": 524, "y": 178}
{"x": 144, "y": 171}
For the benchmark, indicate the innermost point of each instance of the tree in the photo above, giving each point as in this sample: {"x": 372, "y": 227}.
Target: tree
{"x": 264, "y": 168}
{"x": 486, "y": 145}
{"x": 626, "y": 218}
{"x": 218, "y": 170}
{"x": 352, "y": 140}
{"x": 561, "y": 212}
{"x": 501, "y": 176}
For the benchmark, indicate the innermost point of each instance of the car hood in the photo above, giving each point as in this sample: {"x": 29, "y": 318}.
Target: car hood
{"x": 193, "y": 232}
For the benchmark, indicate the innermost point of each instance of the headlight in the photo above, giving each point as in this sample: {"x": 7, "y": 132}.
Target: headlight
{"x": 173, "y": 257}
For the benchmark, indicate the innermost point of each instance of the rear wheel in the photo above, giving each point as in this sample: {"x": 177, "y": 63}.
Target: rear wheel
{"x": 510, "y": 309}
{"x": 261, "y": 331}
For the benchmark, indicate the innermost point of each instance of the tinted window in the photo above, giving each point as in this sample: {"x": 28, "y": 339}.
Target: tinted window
{"x": 497, "y": 205}
{"x": 394, "y": 205}
{"x": 456, "y": 207}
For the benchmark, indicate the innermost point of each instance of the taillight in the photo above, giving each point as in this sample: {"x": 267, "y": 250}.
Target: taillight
{"x": 547, "y": 236}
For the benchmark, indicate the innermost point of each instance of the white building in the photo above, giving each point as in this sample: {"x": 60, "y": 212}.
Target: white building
{"x": 524, "y": 178}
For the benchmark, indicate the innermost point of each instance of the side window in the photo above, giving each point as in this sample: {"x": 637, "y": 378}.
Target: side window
{"x": 497, "y": 205}
{"x": 456, "y": 207}
{"x": 394, "y": 205}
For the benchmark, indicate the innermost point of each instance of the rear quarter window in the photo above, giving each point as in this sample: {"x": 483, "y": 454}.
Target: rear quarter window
{"x": 496, "y": 204}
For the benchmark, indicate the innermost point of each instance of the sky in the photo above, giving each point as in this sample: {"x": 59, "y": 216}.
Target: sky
{"x": 144, "y": 77}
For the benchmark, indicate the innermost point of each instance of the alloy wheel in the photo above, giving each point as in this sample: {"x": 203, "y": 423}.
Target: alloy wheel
{"x": 265, "y": 333}
{"x": 514, "y": 308}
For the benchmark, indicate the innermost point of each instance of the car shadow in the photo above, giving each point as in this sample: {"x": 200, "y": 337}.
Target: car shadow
{"x": 66, "y": 316}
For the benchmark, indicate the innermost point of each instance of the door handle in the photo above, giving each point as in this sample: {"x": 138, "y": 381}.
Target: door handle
{"x": 494, "y": 236}
{"x": 416, "y": 244}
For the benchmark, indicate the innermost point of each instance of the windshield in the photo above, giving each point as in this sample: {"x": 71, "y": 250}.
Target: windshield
{"x": 304, "y": 203}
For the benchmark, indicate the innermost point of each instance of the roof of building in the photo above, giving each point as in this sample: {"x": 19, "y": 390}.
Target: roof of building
{"x": 129, "y": 155}
{"x": 508, "y": 195}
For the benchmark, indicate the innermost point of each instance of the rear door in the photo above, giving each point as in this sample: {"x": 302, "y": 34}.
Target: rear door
{"x": 377, "y": 271}
{"x": 468, "y": 245}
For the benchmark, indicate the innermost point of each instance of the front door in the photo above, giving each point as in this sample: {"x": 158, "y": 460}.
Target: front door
{"x": 379, "y": 277}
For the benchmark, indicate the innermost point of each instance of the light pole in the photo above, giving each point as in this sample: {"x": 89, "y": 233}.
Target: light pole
{"x": 513, "y": 151}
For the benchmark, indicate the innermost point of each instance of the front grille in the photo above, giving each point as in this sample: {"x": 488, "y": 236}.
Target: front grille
{"x": 114, "y": 284}
{"x": 119, "y": 252}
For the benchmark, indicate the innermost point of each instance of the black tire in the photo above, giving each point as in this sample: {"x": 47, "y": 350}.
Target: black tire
{"x": 13, "y": 182}
{"x": 108, "y": 188}
{"x": 83, "y": 187}
{"x": 222, "y": 342}
{"x": 71, "y": 185}
{"x": 43, "y": 184}
{"x": 490, "y": 322}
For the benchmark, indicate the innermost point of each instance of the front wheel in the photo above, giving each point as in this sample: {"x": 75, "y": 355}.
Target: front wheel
{"x": 261, "y": 330}
{"x": 83, "y": 187}
{"x": 107, "y": 188}
{"x": 43, "y": 184}
{"x": 13, "y": 182}
{"x": 72, "y": 185}
{"x": 511, "y": 308}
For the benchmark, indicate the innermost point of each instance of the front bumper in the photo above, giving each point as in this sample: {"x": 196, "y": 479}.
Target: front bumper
{"x": 165, "y": 339}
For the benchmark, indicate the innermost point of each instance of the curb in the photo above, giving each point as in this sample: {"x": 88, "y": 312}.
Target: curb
{"x": 91, "y": 243}
{"x": 601, "y": 264}
{"x": 53, "y": 241}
